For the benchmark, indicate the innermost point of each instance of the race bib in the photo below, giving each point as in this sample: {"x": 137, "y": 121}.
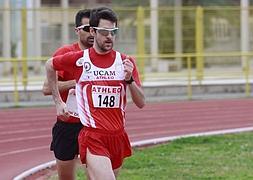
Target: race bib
{"x": 106, "y": 96}
{"x": 72, "y": 104}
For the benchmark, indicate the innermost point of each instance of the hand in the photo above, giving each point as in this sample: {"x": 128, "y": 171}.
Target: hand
{"x": 128, "y": 68}
{"x": 72, "y": 92}
{"x": 62, "y": 111}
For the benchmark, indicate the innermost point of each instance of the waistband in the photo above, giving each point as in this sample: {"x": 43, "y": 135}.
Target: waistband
{"x": 103, "y": 131}
{"x": 70, "y": 120}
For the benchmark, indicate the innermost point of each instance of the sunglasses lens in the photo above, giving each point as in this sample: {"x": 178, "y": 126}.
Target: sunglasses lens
{"x": 103, "y": 32}
{"x": 114, "y": 32}
{"x": 106, "y": 32}
{"x": 86, "y": 28}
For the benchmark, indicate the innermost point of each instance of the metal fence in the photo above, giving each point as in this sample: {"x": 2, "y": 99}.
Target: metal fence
{"x": 194, "y": 43}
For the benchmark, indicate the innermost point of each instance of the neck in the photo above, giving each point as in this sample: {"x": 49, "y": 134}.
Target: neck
{"x": 99, "y": 51}
{"x": 82, "y": 46}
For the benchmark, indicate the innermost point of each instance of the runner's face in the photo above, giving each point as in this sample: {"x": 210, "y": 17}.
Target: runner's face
{"x": 103, "y": 42}
{"x": 85, "y": 37}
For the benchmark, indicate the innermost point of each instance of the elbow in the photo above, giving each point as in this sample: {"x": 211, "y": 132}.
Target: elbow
{"x": 50, "y": 71}
{"x": 49, "y": 65}
{"x": 46, "y": 92}
{"x": 141, "y": 104}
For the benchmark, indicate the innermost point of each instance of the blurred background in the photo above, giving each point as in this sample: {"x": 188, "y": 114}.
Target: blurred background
{"x": 184, "y": 49}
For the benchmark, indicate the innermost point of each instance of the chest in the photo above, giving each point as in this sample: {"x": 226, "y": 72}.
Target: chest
{"x": 91, "y": 72}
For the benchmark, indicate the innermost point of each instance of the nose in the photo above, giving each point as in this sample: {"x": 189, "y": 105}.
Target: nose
{"x": 110, "y": 35}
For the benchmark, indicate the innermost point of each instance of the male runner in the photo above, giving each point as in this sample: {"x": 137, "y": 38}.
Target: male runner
{"x": 102, "y": 75}
{"x": 65, "y": 131}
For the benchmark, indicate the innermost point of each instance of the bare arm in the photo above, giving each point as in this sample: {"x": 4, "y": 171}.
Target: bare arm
{"x": 137, "y": 93}
{"x": 52, "y": 83}
{"x": 62, "y": 86}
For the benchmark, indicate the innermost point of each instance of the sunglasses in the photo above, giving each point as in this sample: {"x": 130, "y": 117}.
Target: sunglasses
{"x": 85, "y": 27}
{"x": 105, "y": 31}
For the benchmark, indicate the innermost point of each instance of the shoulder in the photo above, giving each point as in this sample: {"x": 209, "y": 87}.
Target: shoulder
{"x": 74, "y": 54}
{"x": 124, "y": 56}
{"x": 70, "y": 56}
{"x": 65, "y": 49}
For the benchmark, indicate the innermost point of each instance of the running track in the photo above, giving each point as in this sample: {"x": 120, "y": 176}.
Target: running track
{"x": 25, "y": 133}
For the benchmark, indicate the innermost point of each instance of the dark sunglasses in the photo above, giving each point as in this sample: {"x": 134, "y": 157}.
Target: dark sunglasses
{"x": 85, "y": 27}
{"x": 106, "y": 32}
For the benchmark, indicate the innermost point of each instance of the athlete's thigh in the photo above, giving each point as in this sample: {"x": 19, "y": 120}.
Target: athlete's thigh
{"x": 99, "y": 167}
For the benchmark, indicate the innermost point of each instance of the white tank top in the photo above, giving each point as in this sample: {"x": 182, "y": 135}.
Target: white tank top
{"x": 101, "y": 93}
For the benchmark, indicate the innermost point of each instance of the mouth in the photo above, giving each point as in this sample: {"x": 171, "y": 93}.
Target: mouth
{"x": 90, "y": 39}
{"x": 108, "y": 42}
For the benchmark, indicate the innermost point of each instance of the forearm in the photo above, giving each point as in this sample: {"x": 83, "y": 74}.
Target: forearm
{"x": 137, "y": 95}
{"x": 62, "y": 86}
{"x": 52, "y": 82}
{"x": 66, "y": 85}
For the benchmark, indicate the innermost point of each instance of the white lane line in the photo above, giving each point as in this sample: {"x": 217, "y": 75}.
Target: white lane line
{"x": 24, "y": 138}
{"x": 171, "y": 138}
{"x": 35, "y": 169}
{"x": 23, "y": 150}
{"x": 24, "y": 125}
{"x": 140, "y": 143}
{"x": 180, "y": 131}
{"x": 24, "y": 131}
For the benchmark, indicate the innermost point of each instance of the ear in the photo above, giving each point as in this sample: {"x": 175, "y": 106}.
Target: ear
{"x": 92, "y": 31}
{"x": 76, "y": 31}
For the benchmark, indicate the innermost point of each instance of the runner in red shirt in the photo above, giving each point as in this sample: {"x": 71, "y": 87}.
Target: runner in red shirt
{"x": 102, "y": 76}
{"x": 66, "y": 130}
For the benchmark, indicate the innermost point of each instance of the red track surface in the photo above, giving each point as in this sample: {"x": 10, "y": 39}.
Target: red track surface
{"x": 25, "y": 133}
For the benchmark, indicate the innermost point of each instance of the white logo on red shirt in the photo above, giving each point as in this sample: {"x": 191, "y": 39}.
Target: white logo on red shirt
{"x": 87, "y": 66}
{"x": 79, "y": 62}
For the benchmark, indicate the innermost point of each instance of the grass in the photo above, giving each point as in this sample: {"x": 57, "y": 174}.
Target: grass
{"x": 213, "y": 157}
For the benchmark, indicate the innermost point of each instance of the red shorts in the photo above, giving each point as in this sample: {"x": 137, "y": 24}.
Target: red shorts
{"x": 114, "y": 145}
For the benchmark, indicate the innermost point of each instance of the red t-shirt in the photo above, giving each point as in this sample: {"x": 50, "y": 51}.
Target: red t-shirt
{"x": 102, "y": 118}
{"x": 67, "y": 62}
{"x": 64, "y": 75}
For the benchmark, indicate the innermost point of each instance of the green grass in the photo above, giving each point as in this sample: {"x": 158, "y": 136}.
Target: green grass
{"x": 214, "y": 157}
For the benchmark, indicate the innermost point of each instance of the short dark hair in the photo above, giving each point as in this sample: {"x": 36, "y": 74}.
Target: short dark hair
{"x": 85, "y": 13}
{"x": 102, "y": 13}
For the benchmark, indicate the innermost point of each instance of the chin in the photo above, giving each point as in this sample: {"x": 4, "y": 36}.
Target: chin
{"x": 108, "y": 48}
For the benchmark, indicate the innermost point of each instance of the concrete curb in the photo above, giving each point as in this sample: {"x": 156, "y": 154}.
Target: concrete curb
{"x": 35, "y": 169}
{"x": 139, "y": 144}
